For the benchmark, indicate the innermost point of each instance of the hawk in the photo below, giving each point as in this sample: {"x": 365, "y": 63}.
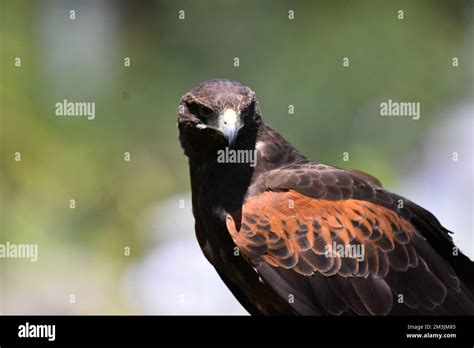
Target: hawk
{"x": 290, "y": 236}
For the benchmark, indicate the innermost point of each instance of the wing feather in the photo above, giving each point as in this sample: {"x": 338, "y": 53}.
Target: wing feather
{"x": 357, "y": 256}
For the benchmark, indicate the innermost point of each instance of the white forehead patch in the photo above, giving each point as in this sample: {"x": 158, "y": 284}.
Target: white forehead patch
{"x": 230, "y": 116}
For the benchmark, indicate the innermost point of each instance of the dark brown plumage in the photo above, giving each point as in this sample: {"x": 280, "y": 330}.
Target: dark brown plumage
{"x": 270, "y": 230}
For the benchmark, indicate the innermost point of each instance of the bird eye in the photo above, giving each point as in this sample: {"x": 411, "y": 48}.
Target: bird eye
{"x": 200, "y": 110}
{"x": 204, "y": 111}
{"x": 246, "y": 110}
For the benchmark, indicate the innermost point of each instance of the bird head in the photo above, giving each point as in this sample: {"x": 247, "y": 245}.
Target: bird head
{"x": 215, "y": 114}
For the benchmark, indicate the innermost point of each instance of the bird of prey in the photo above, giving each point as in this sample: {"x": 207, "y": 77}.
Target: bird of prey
{"x": 290, "y": 236}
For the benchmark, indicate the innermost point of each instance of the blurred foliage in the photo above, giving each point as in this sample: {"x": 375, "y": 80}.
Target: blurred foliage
{"x": 285, "y": 61}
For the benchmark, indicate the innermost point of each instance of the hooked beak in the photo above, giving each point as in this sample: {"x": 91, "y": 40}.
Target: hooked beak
{"x": 230, "y": 125}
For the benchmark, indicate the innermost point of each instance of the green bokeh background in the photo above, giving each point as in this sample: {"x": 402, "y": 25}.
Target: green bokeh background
{"x": 285, "y": 61}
